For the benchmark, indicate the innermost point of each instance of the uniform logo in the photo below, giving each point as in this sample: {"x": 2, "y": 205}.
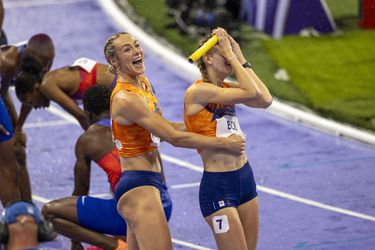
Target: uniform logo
{"x": 219, "y": 111}
{"x": 221, "y": 203}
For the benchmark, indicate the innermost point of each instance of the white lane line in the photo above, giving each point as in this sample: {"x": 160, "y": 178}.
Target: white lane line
{"x": 181, "y": 163}
{"x": 275, "y": 192}
{"x": 271, "y": 191}
{"x": 315, "y": 203}
{"x": 46, "y": 124}
{"x": 104, "y": 195}
{"x": 187, "y": 244}
{"x": 35, "y": 3}
{"x": 186, "y": 185}
{"x": 62, "y": 114}
{"x": 40, "y": 199}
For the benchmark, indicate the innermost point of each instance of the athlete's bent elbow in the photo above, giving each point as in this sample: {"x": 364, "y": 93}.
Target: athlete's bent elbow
{"x": 267, "y": 102}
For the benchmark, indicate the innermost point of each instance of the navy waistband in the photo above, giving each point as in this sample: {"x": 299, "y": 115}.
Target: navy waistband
{"x": 247, "y": 164}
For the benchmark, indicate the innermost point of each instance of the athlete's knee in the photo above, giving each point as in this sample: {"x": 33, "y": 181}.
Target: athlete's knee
{"x": 48, "y": 209}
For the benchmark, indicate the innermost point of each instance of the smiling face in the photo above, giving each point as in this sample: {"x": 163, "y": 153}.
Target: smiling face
{"x": 129, "y": 56}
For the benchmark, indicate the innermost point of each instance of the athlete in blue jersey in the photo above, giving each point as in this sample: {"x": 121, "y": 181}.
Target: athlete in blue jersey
{"x": 73, "y": 216}
{"x": 37, "y": 57}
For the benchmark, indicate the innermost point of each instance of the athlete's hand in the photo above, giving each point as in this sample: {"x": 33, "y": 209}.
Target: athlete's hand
{"x": 3, "y": 130}
{"x": 20, "y": 138}
{"x": 76, "y": 246}
{"x": 224, "y": 43}
{"x": 235, "y": 144}
{"x": 237, "y": 50}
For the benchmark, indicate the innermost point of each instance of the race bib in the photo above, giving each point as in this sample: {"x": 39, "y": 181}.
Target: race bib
{"x": 155, "y": 140}
{"x": 85, "y": 63}
{"x": 228, "y": 125}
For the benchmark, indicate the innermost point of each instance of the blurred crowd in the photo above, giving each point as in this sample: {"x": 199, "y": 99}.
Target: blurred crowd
{"x": 197, "y": 18}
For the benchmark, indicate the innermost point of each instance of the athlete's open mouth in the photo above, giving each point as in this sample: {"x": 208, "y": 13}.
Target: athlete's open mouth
{"x": 137, "y": 61}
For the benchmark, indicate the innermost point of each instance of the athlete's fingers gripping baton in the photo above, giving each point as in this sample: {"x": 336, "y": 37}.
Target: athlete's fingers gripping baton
{"x": 203, "y": 49}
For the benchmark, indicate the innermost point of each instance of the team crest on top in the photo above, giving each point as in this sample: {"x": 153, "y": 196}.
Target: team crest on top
{"x": 219, "y": 111}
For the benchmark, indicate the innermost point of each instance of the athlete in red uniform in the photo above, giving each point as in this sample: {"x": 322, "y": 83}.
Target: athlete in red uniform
{"x": 64, "y": 86}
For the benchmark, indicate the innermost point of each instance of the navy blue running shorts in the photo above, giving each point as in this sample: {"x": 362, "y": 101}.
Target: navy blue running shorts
{"x": 133, "y": 179}
{"x": 219, "y": 190}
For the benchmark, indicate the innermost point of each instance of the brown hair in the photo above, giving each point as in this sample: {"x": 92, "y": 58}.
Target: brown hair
{"x": 109, "y": 50}
{"x": 200, "y": 64}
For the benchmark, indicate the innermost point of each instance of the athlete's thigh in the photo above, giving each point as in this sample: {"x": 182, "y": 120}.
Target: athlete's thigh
{"x": 142, "y": 209}
{"x": 227, "y": 229}
{"x": 249, "y": 216}
{"x": 131, "y": 239}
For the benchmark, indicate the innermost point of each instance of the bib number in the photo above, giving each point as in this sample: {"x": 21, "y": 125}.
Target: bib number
{"x": 221, "y": 224}
{"x": 228, "y": 125}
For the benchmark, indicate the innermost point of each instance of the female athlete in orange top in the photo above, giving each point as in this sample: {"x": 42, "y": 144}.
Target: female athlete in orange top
{"x": 227, "y": 195}
{"x": 137, "y": 125}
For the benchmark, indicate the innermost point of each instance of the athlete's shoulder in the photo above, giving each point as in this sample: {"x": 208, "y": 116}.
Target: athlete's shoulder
{"x": 196, "y": 88}
{"x": 9, "y": 57}
{"x": 88, "y": 142}
{"x": 58, "y": 72}
{"x": 128, "y": 100}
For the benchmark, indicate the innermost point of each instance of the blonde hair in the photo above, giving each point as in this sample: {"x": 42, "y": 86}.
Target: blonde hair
{"x": 110, "y": 50}
{"x": 201, "y": 65}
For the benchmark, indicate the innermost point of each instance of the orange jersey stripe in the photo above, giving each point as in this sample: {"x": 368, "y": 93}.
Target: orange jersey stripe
{"x": 133, "y": 140}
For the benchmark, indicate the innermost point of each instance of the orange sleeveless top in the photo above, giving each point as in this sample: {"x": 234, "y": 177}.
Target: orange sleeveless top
{"x": 133, "y": 140}
{"x": 204, "y": 121}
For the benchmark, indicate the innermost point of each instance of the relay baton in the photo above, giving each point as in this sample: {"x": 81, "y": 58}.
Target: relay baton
{"x": 203, "y": 49}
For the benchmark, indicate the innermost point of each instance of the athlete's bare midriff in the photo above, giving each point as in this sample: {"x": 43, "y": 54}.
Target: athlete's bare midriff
{"x": 148, "y": 161}
{"x": 221, "y": 161}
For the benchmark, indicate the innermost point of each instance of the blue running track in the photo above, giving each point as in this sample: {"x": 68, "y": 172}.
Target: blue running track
{"x": 316, "y": 191}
